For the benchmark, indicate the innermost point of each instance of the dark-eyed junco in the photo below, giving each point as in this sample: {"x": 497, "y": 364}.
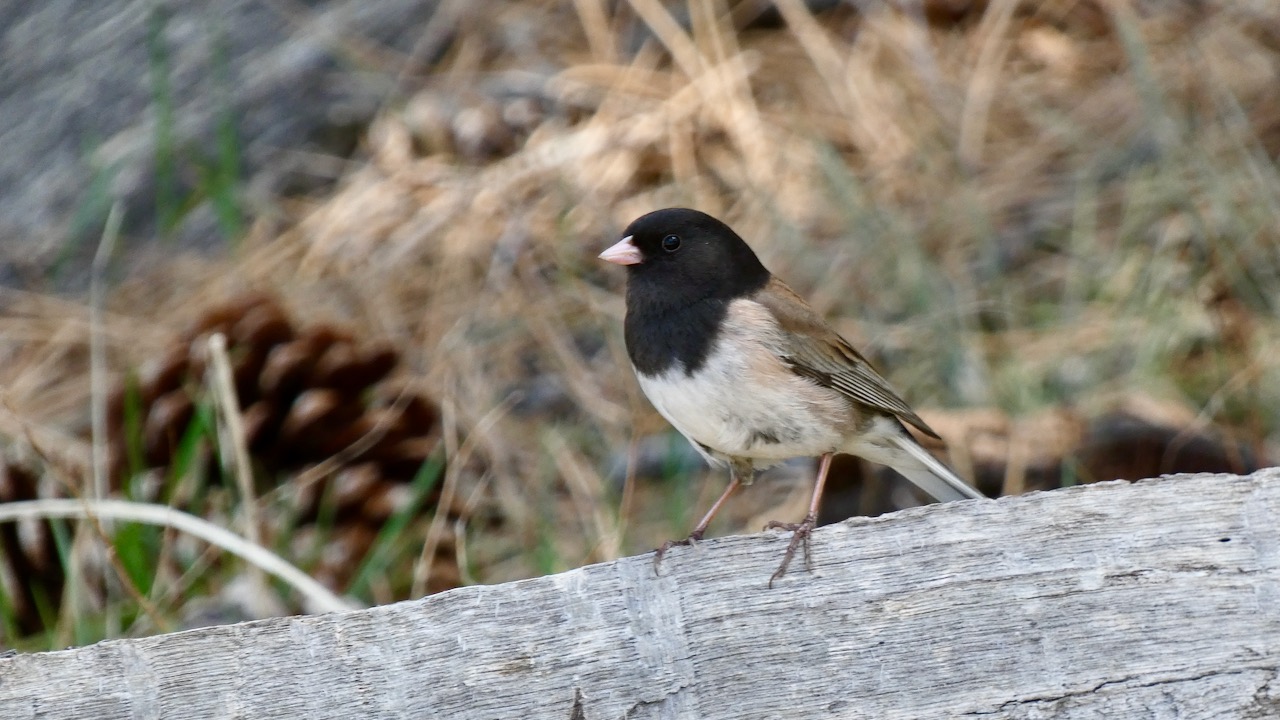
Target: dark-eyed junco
{"x": 749, "y": 373}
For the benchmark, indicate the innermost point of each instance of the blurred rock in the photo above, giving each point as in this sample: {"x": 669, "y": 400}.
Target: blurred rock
{"x": 1124, "y": 445}
{"x": 81, "y": 95}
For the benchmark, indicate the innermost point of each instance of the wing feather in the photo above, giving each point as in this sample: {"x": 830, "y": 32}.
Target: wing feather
{"x": 814, "y": 350}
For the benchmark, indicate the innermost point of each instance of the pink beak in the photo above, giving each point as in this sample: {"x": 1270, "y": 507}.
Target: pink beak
{"x": 623, "y": 253}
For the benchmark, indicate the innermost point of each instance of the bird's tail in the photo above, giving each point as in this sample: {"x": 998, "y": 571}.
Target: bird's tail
{"x": 887, "y": 442}
{"x": 929, "y": 474}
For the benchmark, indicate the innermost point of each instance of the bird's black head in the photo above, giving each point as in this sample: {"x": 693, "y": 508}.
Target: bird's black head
{"x": 677, "y": 257}
{"x": 683, "y": 269}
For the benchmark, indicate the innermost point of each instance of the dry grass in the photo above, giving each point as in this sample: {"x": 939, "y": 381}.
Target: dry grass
{"x": 1035, "y": 204}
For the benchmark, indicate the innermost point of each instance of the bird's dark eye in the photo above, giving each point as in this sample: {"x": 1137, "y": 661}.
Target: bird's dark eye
{"x": 671, "y": 243}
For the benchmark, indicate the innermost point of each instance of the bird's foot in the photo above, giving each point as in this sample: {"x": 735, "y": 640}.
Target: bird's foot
{"x": 691, "y": 541}
{"x": 799, "y": 538}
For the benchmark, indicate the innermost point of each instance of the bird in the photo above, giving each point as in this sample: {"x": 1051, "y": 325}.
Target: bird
{"x": 750, "y": 374}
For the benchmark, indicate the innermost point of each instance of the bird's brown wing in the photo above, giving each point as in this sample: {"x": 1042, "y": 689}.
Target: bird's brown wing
{"x": 816, "y": 351}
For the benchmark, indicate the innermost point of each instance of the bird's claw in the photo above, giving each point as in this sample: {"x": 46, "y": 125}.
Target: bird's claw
{"x": 691, "y": 541}
{"x": 799, "y": 537}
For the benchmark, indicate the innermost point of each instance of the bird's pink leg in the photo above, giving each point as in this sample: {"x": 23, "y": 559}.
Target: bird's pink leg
{"x": 701, "y": 527}
{"x": 801, "y": 530}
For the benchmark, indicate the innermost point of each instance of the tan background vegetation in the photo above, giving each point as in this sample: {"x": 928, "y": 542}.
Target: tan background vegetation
{"x": 1029, "y": 214}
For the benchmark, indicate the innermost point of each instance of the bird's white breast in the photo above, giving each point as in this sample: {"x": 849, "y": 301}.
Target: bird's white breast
{"x": 744, "y": 401}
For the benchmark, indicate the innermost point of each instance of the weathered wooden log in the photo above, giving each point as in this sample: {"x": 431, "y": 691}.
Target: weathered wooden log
{"x": 1157, "y": 599}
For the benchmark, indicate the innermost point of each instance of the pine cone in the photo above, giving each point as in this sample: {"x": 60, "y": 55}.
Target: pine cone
{"x": 31, "y": 575}
{"x": 307, "y": 395}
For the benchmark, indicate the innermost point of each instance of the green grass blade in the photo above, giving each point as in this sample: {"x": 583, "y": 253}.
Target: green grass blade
{"x": 379, "y": 557}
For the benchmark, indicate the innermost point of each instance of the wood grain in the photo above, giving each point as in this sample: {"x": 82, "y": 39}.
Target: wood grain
{"x": 1159, "y": 599}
